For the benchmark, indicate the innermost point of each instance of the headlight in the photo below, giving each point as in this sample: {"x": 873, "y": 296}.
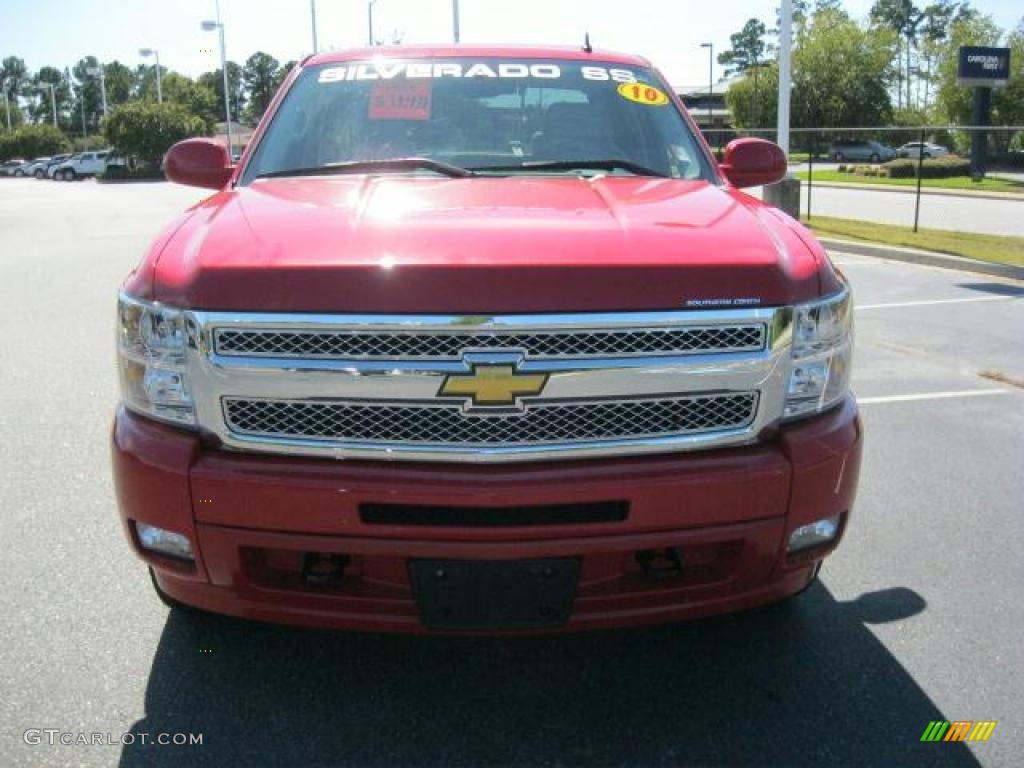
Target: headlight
{"x": 151, "y": 356}
{"x": 821, "y": 353}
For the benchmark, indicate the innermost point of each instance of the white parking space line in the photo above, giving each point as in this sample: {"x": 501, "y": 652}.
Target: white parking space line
{"x": 931, "y": 396}
{"x": 969, "y": 300}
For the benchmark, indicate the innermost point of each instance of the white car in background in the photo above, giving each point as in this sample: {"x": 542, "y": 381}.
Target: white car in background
{"x": 923, "y": 149}
{"x": 82, "y": 166}
{"x": 29, "y": 168}
{"x": 50, "y": 165}
{"x": 10, "y": 167}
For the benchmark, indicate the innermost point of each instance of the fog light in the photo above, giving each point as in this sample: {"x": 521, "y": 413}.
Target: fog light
{"x": 814, "y": 534}
{"x": 165, "y": 542}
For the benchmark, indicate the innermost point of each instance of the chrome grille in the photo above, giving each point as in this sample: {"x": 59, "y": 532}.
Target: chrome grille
{"x": 366, "y": 386}
{"x": 451, "y": 344}
{"x": 449, "y": 426}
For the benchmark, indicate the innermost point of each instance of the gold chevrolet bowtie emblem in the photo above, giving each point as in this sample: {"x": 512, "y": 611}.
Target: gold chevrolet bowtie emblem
{"x": 493, "y": 384}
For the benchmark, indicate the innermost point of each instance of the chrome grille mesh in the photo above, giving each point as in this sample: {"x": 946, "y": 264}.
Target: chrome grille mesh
{"x": 451, "y": 344}
{"x": 449, "y": 426}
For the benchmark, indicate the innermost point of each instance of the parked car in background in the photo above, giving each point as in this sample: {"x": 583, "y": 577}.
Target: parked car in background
{"x": 857, "y": 149}
{"x": 46, "y": 169}
{"x": 51, "y": 170}
{"x": 28, "y": 169}
{"x": 9, "y": 167}
{"x": 82, "y": 166}
{"x": 923, "y": 149}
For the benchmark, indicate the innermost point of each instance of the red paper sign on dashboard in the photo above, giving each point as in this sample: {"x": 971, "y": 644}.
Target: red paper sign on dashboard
{"x": 400, "y": 100}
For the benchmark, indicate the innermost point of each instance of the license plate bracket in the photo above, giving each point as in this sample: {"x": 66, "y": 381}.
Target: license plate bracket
{"x": 484, "y": 594}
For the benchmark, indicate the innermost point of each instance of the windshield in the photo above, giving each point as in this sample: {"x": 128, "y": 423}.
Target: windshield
{"x": 484, "y": 115}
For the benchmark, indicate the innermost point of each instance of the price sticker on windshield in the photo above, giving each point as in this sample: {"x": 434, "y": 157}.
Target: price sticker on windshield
{"x": 400, "y": 100}
{"x": 647, "y": 95}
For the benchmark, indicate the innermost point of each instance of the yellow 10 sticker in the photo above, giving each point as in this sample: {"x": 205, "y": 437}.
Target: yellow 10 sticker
{"x": 643, "y": 94}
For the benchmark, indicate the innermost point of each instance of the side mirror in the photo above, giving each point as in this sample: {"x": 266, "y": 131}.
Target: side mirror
{"x": 199, "y": 163}
{"x": 753, "y": 162}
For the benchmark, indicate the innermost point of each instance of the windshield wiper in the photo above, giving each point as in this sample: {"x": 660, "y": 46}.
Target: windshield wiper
{"x": 397, "y": 164}
{"x": 573, "y": 165}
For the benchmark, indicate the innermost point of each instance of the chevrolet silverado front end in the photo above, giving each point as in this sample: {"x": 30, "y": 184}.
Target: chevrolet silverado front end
{"x": 483, "y": 339}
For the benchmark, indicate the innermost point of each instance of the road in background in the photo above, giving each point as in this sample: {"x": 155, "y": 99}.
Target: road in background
{"x": 916, "y": 618}
{"x": 961, "y": 213}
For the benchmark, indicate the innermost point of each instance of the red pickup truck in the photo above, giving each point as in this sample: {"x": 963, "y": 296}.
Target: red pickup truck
{"x": 481, "y": 339}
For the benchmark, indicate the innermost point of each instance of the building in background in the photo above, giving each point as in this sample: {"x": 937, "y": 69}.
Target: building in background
{"x": 240, "y": 134}
{"x": 709, "y": 111}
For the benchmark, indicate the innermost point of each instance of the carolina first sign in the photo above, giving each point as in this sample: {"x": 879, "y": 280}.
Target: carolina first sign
{"x": 982, "y": 66}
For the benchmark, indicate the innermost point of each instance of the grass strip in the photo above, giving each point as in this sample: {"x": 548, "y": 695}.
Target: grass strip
{"x": 988, "y": 184}
{"x": 994, "y": 248}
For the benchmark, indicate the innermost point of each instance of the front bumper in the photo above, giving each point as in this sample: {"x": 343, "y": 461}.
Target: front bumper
{"x": 252, "y": 518}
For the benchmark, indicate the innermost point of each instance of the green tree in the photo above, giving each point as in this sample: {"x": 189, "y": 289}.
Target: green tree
{"x": 1008, "y": 102}
{"x": 85, "y": 143}
{"x": 121, "y": 83}
{"x": 753, "y": 106}
{"x": 904, "y": 18}
{"x": 282, "y": 73}
{"x": 15, "y": 78}
{"x": 215, "y": 81}
{"x": 146, "y": 130}
{"x": 747, "y": 55}
{"x": 17, "y": 116}
{"x": 30, "y": 141}
{"x": 748, "y": 48}
{"x": 41, "y": 107}
{"x": 196, "y": 98}
{"x": 259, "y": 74}
{"x": 804, "y": 9}
{"x": 88, "y": 91}
{"x": 935, "y": 22}
{"x": 840, "y": 76}
{"x": 144, "y": 79}
{"x": 840, "y": 73}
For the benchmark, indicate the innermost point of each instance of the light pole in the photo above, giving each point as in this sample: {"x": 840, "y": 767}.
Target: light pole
{"x": 146, "y": 53}
{"x": 209, "y": 26}
{"x": 711, "y": 78}
{"x": 369, "y": 17}
{"x": 81, "y": 99}
{"x": 98, "y": 70}
{"x": 785, "y": 73}
{"x": 312, "y": 18}
{"x": 455, "y": 20}
{"x": 7, "y": 105}
{"x": 757, "y": 95}
{"x": 53, "y": 100}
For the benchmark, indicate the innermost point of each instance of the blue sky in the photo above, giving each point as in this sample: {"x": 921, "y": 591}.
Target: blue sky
{"x": 669, "y": 32}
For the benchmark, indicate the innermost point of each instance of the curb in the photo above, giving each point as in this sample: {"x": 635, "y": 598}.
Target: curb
{"x": 927, "y": 258}
{"x": 1014, "y": 196}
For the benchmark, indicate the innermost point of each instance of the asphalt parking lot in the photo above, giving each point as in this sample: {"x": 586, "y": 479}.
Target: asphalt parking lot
{"x": 918, "y": 616}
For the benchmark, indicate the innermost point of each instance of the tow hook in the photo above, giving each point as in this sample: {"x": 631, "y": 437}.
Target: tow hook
{"x": 661, "y": 562}
{"x": 323, "y": 568}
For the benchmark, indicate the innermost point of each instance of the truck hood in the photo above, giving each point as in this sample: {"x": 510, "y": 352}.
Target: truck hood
{"x": 394, "y": 244}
